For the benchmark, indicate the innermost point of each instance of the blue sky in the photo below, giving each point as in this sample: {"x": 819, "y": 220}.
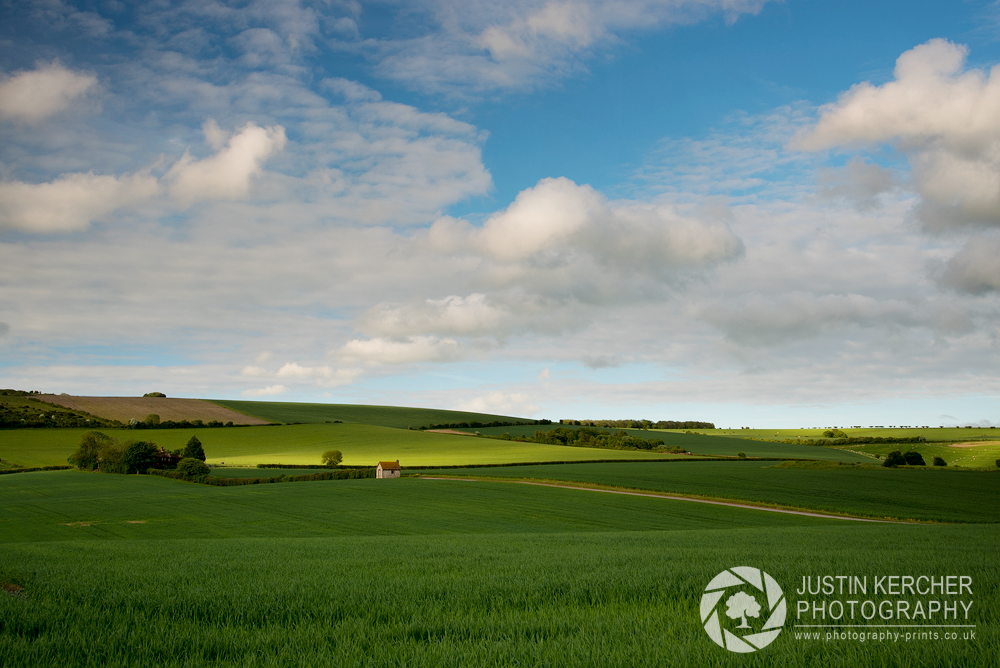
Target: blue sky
{"x": 749, "y": 212}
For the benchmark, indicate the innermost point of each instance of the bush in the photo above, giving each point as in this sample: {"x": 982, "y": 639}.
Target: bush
{"x": 193, "y": 450}
{"x": 894, "y": 459}
{"x": 939, "y": 461}
{"x": 741, "y": 455}
{"x": 332, "y": 458}
{"x": 139, "y": 456}
{"x": 190, "y": 467}
{"x": 87, "y": 455}
{"x": 914, "y": 458}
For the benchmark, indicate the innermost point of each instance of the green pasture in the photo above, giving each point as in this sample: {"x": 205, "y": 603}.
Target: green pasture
{"x": 383, "y": 416}
{"x": 938, "y": 495}
{"x": 416, "y": 572}
{"x": 930, "y": 433}
{"x": 303, "y": 444}
{"x": 980, "y": 456}
{"x": 704, "y": 444}
{"x": 55, "y": 506}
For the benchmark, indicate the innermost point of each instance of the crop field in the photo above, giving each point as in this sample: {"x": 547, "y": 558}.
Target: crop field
{"x": 124, "y": 409}
{"x": 937, "y": 495}
{"x": 303, "y": 444}
{"x": 383, "y": 416}
{"x": 140, "y": 571}
{"x": 708, "y": 445}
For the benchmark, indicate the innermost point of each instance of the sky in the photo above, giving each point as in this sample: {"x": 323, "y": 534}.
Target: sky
{"x": 749, "y": 212}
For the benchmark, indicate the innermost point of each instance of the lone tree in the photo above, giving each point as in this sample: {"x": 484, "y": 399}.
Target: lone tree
{"x": 332, "y": 458}
{"x": 741, "y": 605}
{"x": 193, "y": 450}
{"x": 139, "y": 456}
{"x": 894, "y": 459}
{"x": 939, "y": 461}
{"x": 88, "y": 453}
{"x": 914, "y": 458}
{"x": 192, "y": 468}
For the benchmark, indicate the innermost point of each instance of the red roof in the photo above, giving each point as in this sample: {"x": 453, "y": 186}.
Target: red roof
{"x": 391, "y": 466}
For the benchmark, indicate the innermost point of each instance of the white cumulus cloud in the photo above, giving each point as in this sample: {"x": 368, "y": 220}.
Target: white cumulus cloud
{"x": 942, "y": 116}
{"x": 269, "y": 391}
{"x": 37, "y": 94}
{"x": 229, "y": 173}
{"x": 70, "y": 202}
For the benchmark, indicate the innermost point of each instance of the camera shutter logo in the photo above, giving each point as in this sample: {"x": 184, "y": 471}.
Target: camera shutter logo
{"x": 728, "y": 591}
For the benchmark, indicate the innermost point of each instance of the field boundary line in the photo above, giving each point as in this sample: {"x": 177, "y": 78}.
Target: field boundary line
{"x": 679, "y": 497}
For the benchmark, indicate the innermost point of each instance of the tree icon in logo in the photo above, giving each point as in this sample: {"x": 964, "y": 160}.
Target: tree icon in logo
{"x": 742, "y": 604}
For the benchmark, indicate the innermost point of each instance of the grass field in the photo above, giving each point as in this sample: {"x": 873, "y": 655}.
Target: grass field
{"x": 939, "y": 495}
{"x": 383, "y": 416}
{"x": 303, "y": 444}
{"x": 427, "y": 573}
{"x": 708, "y": 445}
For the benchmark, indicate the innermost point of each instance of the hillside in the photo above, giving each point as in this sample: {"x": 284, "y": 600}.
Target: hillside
{"x": 124, "y": 409}
{"x": 382, "y": 416}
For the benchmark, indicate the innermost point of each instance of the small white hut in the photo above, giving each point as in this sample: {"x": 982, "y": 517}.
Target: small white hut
{"x": 388, "y": 469}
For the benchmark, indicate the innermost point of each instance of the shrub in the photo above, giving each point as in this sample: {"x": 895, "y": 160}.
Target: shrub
{"x": 191, "y": 467}
{"x": 332, "y": 457}
{"x": 87, "y": 455}
{"x": 193, "y": 450}
{"x": 139, "y": 456}
{"x": 939, "y": 461}
{"x": 741, "y": 455}
{"x": 894, "y": 459}
{"x": 914, "y": 458}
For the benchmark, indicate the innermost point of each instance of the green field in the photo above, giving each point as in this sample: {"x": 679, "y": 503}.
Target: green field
{"x": 427, "y": 573}
{"x": 362, "y": 445}
{"x": 707, "y": 445}
{"x": 383, "y": 416}
{"x": 937, "y": 495}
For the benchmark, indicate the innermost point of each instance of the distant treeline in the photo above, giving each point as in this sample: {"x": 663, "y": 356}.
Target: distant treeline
{"x": 342, "y": 474}
{"x": 18, "y": 393}
{"x": 28, "y": 469}
{"x": 641, "y": 424}
{"x": 182, "y": 424}
{"x": 308, "y": 466}
{"x": 855, "y": 440}
{"x": 481, "y": 425}
{"x": 588, "y": 437}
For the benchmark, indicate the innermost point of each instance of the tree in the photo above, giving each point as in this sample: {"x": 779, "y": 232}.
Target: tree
{"x": 741, "y": 454}
{"x": 88, "y": 453}
{"x": 914, "y": 458}
{"x": 332, "y": 458}
{"x": 193, "y": 450}
{"x": 894, "y": 459}
{"x": 939, "y": 461}
{"x": 139, "y": 456}
{"x": 191, "y": 467}
{"x": 741, "y": 605}
{"x": 152, "y": 419}
{"x": 155, "y": 394}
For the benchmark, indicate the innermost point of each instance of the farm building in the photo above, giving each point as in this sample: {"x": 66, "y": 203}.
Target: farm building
{"x": 387, "y": 469}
